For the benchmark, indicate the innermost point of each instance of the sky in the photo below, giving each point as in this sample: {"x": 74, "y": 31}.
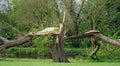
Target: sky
{"x": 4, "y": 5}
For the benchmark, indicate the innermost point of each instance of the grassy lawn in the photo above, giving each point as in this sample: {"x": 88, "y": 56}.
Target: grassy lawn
{"x": 48, "y": 62}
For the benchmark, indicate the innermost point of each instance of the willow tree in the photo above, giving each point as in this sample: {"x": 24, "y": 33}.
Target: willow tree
{"x": 33, "y": 15}
{"x": 73, "y": 8}
{"x": 56, "y": 47}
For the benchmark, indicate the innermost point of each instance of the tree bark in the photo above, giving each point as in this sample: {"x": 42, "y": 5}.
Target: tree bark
{"x": 108, "y": 40}
{"x": 57, "y": 53}
{"x": 76, "y": 23}
{"x": 12, "y": 43}
{"x": 57, "y": 49}
{"x": 96, "y": 47}
{"x": 96, "y": 34}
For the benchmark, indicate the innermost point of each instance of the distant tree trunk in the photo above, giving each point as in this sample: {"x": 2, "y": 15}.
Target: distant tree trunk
{"x": 76, "y": 30}
{"x": 76, "y": 18}
{"x": 57, "y": 49}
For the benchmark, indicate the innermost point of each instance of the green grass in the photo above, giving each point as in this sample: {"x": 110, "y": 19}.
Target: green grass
{"x": 48, "y": 62}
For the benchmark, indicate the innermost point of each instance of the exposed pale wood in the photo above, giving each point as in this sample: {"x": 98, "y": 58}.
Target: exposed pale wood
{"x": 48, "y": 31}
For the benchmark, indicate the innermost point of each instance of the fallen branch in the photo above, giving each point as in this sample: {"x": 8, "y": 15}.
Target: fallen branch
{"x": 97, "y": 36}
{"x": 96, "y": 47}
{"x": 95, "y": 33}
{"x": 12, "y": 43}
{"x": 108, "y": 40}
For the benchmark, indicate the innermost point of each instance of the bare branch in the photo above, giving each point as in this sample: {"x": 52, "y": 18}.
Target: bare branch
{"x": 96, "y": 47}
{"x": 95, "y": 33}
{"x": 108, "y": 40}
{"x": 80, "y": 8}
{"x": 12, "y": 43}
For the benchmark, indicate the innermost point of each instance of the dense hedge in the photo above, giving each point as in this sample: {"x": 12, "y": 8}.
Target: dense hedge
{"x": 75, "y": 53}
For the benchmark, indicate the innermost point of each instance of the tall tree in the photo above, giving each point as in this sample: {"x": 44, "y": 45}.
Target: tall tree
{"x": 74, "y": 7}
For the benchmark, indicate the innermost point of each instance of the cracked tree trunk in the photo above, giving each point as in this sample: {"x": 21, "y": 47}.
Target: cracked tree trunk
{"x": 57, "y": 49}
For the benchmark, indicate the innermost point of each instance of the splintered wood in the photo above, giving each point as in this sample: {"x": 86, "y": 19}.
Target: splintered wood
{"x": 48, "y": 31}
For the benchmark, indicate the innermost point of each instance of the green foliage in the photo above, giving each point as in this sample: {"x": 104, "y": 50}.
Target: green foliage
{"x": 41, "y": 42}
{"x": 109, "y": 52}
{"x": 27, "y": 52}
{"x": 76, "y": 53}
